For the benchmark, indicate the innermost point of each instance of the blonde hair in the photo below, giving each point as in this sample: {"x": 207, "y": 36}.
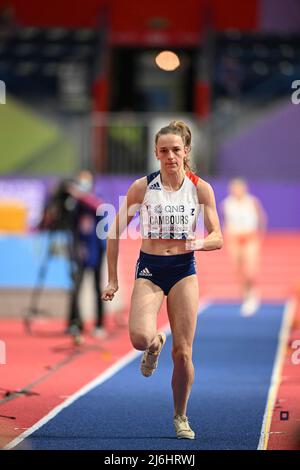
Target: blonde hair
{"x": 238, "y": 182}
{"x": 181, "y": 129}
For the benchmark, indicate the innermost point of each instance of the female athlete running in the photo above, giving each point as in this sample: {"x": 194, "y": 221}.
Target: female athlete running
{"x": 169, "y": 201}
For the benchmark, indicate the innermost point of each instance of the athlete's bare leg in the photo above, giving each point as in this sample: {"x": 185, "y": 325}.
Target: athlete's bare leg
{"x": 182, "y": 302}
{"x": 235, "y": 252}
{"x": 146, "y": 301}
{"x": 250, "y": 257}
{"x": 246, "y": 259}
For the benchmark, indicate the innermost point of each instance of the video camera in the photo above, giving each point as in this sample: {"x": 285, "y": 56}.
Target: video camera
{"x": 58, "y": 213}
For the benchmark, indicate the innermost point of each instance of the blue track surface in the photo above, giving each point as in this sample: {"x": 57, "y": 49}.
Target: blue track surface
{"x": 233, "y": 359}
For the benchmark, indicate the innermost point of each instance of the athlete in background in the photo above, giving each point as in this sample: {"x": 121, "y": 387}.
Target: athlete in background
{"x": 244, "y": 223}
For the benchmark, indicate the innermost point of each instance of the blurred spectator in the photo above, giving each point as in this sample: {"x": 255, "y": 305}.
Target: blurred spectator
{"x": 8, "y": 24}
{"x": 71, "y": 208}
{"x": 244, "y": 223}
{"x": 88, "y": 249}
{"x": 230, "y": 77}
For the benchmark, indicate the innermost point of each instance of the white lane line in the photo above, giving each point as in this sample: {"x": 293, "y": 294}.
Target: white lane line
{"x": 131, "y": 356}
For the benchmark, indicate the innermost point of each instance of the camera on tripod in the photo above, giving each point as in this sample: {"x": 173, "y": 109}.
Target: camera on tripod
{"x": 59, "y": 222}
{"x": 58, "y": 214}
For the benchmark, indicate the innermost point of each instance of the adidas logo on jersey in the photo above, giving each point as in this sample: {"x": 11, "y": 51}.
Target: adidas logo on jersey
{"x": 155, "y": 186}
{"x": 145, "y": 272}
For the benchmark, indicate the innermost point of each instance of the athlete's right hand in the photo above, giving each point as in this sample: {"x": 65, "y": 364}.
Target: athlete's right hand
{"x": 109, "y": 291}
{"x": 194, "y": 245}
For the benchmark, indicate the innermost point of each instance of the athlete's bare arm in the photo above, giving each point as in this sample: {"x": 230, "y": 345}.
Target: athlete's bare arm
{"x": 262, "y": 216}
{"x": 131, "y": 204}
{"x": 214, "y": 239}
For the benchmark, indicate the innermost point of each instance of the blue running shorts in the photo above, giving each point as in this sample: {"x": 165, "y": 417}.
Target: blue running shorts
{"x": 165, "y": 271}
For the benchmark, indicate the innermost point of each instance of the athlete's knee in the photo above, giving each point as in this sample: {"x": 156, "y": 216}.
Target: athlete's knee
{"x": 140, "y": 341}
{"x": 182, "y": 355}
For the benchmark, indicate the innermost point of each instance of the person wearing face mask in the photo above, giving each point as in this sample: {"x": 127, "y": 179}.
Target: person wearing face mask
{"x": 87, "y": 249}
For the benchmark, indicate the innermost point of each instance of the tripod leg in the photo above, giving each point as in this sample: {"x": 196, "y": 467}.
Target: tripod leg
{"x": 38, "y": 289}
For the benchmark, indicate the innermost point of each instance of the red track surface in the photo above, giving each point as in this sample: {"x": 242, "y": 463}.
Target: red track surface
{"x": 278, "y": 277}
{"x": 56, "y": 369}
{"x": 285, "y": 434}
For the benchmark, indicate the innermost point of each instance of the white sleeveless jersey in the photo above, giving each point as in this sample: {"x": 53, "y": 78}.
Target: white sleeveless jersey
{"x": 169, "y": 214}
{"x": 240, "y": 215}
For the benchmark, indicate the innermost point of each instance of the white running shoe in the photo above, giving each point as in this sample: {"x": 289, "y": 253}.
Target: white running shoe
{"x": 250, "y": 306}
{"x": 99, "y": 332}
{"x": 150, "y": 359}
{"x": 182, "y": 427}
